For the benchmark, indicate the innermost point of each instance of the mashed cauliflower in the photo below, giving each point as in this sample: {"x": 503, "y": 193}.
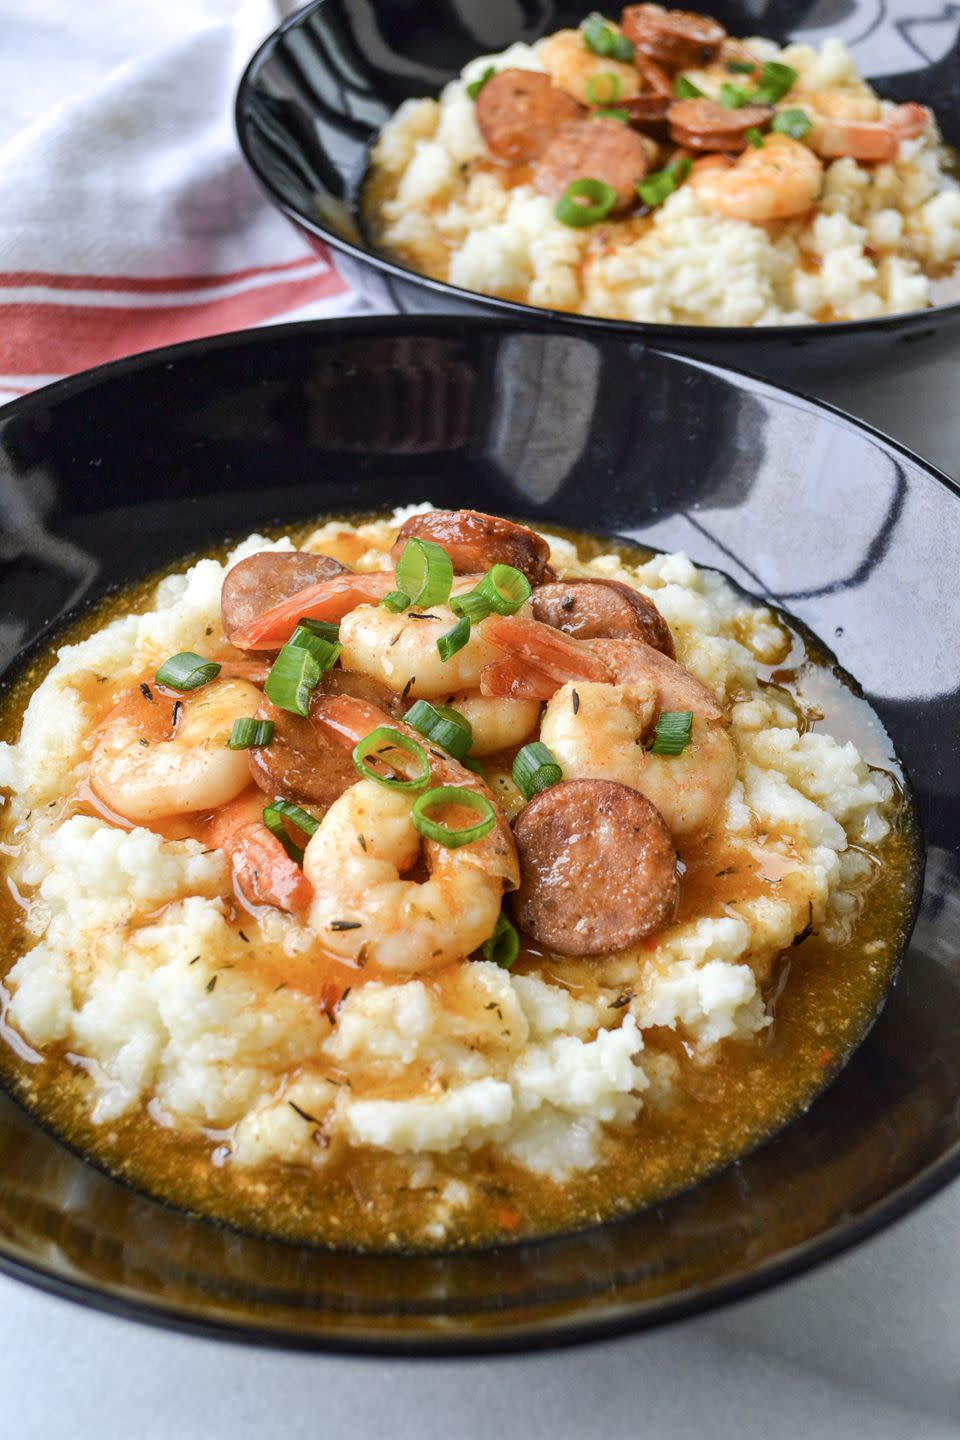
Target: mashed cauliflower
{"x": 869, "y": 248}
{"x": 137, "y": 965}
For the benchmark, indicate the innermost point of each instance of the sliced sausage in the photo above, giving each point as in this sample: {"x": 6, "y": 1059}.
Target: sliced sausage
{"x": 598, "y": 870}
{"x": 707, "y": 125}
{"x": 602, "y": 609}
{"x": 475, "y": 541}
{"x": 674, "y": 38}
{"x": 518, "y": 112}
{"x": 599, "y": 149}
{"x": 261, "y": 581}
{"x": 299, "y": 763}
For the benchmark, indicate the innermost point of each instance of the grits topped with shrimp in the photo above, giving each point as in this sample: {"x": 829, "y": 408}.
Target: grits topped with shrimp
{"x": 655, "y": 169}
{"x": 433, "y": 880}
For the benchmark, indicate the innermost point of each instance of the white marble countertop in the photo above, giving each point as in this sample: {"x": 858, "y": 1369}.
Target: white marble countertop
{"x": 869, "y": 1342}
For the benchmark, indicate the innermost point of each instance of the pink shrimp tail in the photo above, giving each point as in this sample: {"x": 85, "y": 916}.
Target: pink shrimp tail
{"x": 327, "y": 600}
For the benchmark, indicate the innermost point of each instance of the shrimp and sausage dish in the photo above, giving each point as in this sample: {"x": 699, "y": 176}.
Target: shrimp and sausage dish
{"x": 656, "y": 169}
{"x": 433, "y": 880}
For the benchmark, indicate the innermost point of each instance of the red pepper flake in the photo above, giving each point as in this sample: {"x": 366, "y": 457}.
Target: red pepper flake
{"x": 508, "y": 1219}
{"x": 824, "y": 1057}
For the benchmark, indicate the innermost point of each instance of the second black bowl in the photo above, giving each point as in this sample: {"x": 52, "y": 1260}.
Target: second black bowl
{"x": 321, "y": 87}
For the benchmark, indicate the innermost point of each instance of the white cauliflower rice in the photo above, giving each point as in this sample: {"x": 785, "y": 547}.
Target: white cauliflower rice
{"x": 138, "y": 964}
{"x": 871, "y": 245}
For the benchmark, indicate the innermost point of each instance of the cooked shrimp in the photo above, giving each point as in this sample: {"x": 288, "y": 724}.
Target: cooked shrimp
{"x": 157, "y": 756}
{"x": 262, "y": 869}
{"x": 538, "y": 652}
{"x": 363, "y": 908}
{"x": 780, "y": 180}
{"x": 598, "y": 731}
{"x": 401, "y": 650}
{"x": 572, "y": 67}
{"x": 326, "y": 600}
{"x": 497, "y": 723}
{"x": 869, "y": 141}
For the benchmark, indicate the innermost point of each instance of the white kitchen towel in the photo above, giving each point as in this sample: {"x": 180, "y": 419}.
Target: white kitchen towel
{"x": 128, "y": 217}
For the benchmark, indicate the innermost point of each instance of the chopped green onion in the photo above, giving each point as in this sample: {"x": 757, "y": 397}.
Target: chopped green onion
{"x": 661, "y": 183}
{"x": 685, "y": 89}
{"x": 753, "y": 137}
{"x": 775, "y": 81}
{"x": 453, "y": 795}
{"x": 469, "y": 763}
{"x": 603, "y": 40}
{"x": 453, "y": 640}
{"x": 187, "y": 671}
{"x": 534, "y": 769}
{"x": 444, "y": 726}
{"x": 606, "y": 114}
{"x": 274, "y": 816}
{"x": 472, "y": 605}
{"x": 672, "y": 735}
{"x": 294, "y": 676}
{"x": 503, "y": 947}
{"x": 506, "y": 588}
{"x": 475, "y": 86}
{"x": 609, "y": 83}
{"x": 247, "y": 733}
{"x": 600, "y": 200}
{"x": 733, "y": 97}
{"x": 324, "y": 629}
{"x": 396, "y": 601}
{"x": 741, "y": 67}
{"x": 381, "y": 740}
{"x": 325, "y": 652}
{"x": 425, "y": 573}
{"x": 795, "y": 123}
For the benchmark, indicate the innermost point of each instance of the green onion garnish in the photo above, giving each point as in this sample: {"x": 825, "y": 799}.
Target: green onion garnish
{"x": 753, "y": 137}
{"x": 322, "y": 628}
{"x": 453, "y": 640}
{"x": 600, "y": 200}
{"x": 453, "y": 795}
{"x": 661, "y": 183}
{"x": 685, "y": 89}
{"x": 741, "y": 67}
{"x": 381, "y": 741}
{"x": 505, "y": 588}
{"x": 795, "y": 123}
{"x": 606, "y": 82}
{"x": 473, "y": 605}
{"x": 444, "y": 726}
{"x": 475, "y": 86}
{"x": 274, "y": 816}
{"x": 325, "y": 652}
{"x": 534, "y": 769}
{"x": 775, "y": 81}
{"x": 396, "y": 601}
{"x": 733, "y": 97}
{"x": 503, "y": 947}
{"x": 247, "y": 733}
{"x": 603, "y": 40}
{"x": 605, "y": 114}
{"x": 187, "y": 671}
{"x": 425, "y": 573}
{"x": 294, "y": 676}
{"x": 672, "y": 735}
{"x": 470, "y": 763}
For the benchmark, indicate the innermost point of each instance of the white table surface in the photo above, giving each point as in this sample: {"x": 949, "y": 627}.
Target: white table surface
{"x": 869, "y": 1343}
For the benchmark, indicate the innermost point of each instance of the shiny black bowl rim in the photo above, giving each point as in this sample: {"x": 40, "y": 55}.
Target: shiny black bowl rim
{"x": 652, "y": 332}
{"x": 539, "y": 1335}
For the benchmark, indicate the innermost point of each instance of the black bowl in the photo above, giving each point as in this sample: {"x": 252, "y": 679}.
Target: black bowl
{"x": 111, "y": 474}
{"x": 321, "y": 87}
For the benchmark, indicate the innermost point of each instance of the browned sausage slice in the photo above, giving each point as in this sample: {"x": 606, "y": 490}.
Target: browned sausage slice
{"x": 594, "y": 609}
{"x": 706, "y": 125}
{"x": 254, "y": 585}
{"x": 301, "y": 764}
{"x": 672, "y": 37}
{"x": 475, "y": 541}
{"x": 518, "y": 111}
{"x": 596, "y": 149}
{"x": 597, "y": 868}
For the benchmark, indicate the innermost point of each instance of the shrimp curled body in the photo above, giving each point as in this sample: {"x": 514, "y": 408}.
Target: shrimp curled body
{"x": 777, "y": 182}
